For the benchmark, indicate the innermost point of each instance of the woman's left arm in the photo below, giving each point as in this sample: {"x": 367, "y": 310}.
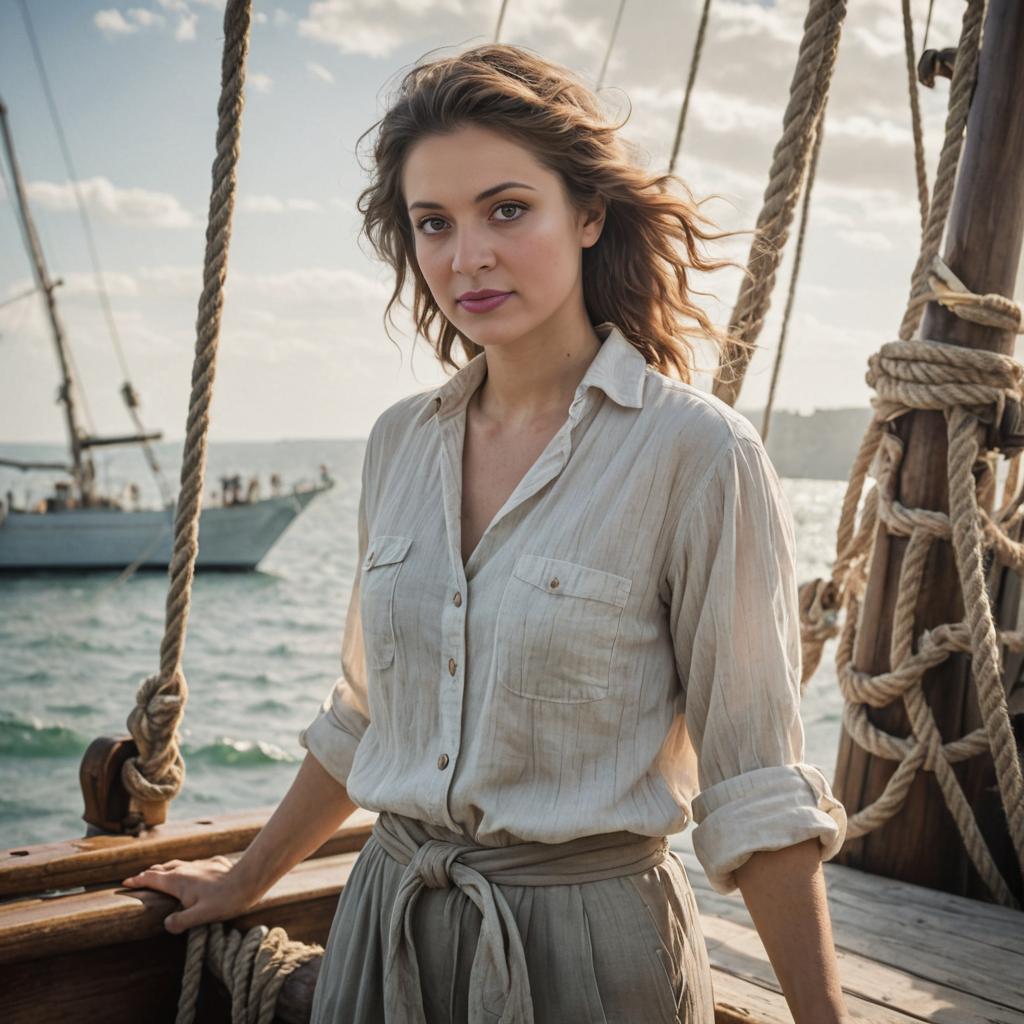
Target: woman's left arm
{"x": 784, "y": 890}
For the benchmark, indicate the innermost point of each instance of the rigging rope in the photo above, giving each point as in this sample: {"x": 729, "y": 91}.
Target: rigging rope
{"x": 158, "y": 772}
{"x": 691, "y": 78}
{"x": 501, "y": 19}
{"x": 766, "y": 417}
{"x": 915, "y": 114}
{"x": 808, "y": 93}
{"x": 611, "y": 44}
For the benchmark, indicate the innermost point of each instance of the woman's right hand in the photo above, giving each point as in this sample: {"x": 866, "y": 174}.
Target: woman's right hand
{"x": 207, "y": 890}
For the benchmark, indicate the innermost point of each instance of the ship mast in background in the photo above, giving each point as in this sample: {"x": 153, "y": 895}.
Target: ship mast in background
{"x": 82, "y": 465}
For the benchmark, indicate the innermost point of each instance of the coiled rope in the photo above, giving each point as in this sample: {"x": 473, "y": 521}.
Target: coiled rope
{"x": 253, "y": 968}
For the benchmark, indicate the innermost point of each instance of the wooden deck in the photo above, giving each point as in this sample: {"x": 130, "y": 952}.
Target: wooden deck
{"x": 906, "y": 953}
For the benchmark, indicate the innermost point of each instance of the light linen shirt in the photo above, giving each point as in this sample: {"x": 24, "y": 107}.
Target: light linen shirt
{"x": 621, "y": 651}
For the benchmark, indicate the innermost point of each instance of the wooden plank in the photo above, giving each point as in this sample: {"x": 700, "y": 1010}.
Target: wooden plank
{"x": 959, "y": 942}
{"x": 907, "y": 957}
{"x": 738, "y": 1001}
{"x": 873, "y": 991}
{"x": 987, "y": 923}
{"x": 91, "y": 860}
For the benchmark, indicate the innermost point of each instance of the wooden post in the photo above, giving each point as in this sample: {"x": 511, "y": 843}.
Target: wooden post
{"x": 922, "y": 843}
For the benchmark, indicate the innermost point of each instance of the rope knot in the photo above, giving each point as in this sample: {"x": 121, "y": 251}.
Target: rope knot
{"x": 158, "y": 772}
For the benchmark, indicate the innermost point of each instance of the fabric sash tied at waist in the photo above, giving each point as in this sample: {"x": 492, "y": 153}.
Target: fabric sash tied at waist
{"x": 435, "y": 857}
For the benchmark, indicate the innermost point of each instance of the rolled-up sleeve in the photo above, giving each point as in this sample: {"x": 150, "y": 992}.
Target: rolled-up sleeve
{"x": 343, "y": 717}
{"x": 736, "y": 634}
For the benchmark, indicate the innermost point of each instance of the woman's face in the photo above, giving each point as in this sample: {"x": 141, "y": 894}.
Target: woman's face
{"x": 486, "y": 215}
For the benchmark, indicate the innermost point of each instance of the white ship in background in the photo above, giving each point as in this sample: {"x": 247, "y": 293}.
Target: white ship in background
{"x": 78, "y": 527}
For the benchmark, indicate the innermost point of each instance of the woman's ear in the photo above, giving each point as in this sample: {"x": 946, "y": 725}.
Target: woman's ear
{"x": 593, "y": 223}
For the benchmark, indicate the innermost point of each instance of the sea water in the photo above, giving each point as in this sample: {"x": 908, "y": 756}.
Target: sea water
{"x": 262, "y": 651}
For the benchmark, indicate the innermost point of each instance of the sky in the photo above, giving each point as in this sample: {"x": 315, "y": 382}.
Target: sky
{"x": 303, "y": 352}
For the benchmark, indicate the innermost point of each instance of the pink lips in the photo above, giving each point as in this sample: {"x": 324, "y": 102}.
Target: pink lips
{"x": 483, "y": 305}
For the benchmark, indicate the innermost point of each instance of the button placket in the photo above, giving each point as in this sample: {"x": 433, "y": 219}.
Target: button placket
{"x": 451, "y": 695}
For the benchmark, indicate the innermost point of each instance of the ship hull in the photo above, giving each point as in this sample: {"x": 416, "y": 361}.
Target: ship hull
{"x": 232, "y": 537}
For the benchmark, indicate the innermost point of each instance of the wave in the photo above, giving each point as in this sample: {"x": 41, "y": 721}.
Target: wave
{"x": 32, "y": 738}
{"x": 245, "y": 753}
{"x": 20, "y": 737}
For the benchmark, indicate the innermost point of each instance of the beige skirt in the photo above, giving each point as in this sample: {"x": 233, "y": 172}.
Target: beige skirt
{"x": 427, "y": 930}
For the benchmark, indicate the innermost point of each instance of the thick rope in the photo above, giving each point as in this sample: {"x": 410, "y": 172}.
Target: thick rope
{"x": 158, "y": 772}
{"x": 808, "y": 93}
{"x": 971, "y": 387}
{"x": 253, "y": 967}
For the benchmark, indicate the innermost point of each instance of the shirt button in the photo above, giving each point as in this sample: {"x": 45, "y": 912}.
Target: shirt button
{"x": 457, "y": 600}
{"x": 442, "y": 762}
{"x": 554, "y": 583}
{"x": 451, "y": 666}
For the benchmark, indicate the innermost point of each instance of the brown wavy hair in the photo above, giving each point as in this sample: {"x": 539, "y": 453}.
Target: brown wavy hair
{"x": 635, "y": 275}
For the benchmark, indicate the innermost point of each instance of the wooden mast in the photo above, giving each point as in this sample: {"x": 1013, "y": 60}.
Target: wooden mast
{"x": 921, "y": 843}
{"x": 82, "y": 466}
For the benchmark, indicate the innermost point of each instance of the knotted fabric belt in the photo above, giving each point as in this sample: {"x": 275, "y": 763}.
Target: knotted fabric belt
{"x": 437, "y": 857}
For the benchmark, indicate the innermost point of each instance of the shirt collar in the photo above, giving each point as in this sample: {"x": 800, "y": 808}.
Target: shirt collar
{"x": 618, "y": 369}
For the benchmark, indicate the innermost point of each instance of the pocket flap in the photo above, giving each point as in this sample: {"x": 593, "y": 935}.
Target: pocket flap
{"x": 557, "y": 576}
{"x": 385, "y": 549}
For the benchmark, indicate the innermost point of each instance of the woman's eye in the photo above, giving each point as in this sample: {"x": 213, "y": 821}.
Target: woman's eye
{"x": 422, "y": 225}
{"x": 511, "y": 206}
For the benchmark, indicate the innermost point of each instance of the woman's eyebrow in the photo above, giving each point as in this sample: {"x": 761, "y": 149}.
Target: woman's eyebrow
{"x": 486, "y": 194}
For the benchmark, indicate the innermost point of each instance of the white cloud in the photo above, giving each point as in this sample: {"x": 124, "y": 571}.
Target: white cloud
{"x": 326, "y": 284}
{"x": 281, "y": 17}
{"x": 873, "y": 240}
{"x": 111, "y": 22}
{"x": 320, "y": 72}
{"x": 133, "y": 206}
{"x": 114, "y": 22}
{"x": 81, "y": 283}
{"x": 144, "y": 17}
{"x": 271, "y": 204}
{"x": 259, "y": 82}
{"x": 375, "y": 28}
{"x": 186, "y": 30}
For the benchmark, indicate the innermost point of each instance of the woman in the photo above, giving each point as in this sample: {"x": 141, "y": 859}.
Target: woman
{"x": 573, "y": 624}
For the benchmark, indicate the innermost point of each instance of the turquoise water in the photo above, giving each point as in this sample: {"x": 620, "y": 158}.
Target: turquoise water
{"x": 262, "y": 649}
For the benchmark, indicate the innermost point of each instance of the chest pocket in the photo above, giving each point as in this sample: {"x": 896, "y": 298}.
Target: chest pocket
{"x": 557, "y": 627}
{"x": 380, "y": 569}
